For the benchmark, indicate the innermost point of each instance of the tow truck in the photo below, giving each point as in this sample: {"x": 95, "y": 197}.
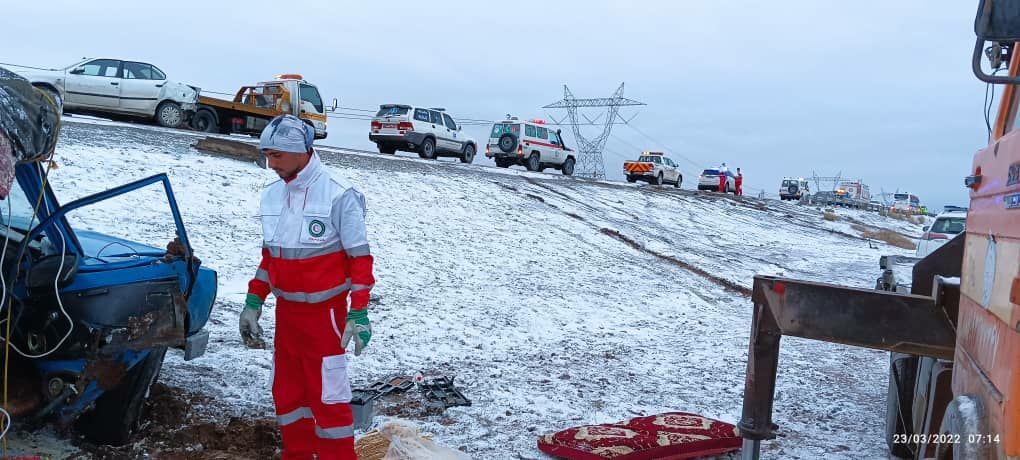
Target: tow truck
{"x": 954, "y": 334}
{"x": 254, "y": 106}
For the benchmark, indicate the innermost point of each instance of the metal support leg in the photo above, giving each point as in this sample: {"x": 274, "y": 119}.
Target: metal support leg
{"x": 859, "y": 317}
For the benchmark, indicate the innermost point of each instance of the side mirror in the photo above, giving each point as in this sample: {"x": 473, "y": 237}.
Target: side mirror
{"x": 336, "y": 103}
{"x": 925, "y": 228}
{"x": 558, "y": 131}
{"x": 459, "y": 127}
{"x": 998, "y": 23}
{"x": 78, "y": 70}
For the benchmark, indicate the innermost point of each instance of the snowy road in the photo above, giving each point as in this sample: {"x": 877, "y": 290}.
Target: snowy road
{"x": 528, "y": 287}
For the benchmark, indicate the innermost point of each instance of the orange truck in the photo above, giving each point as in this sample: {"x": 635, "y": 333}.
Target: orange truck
{"x": 954, "y": 338}
{"x": 253, "y": 106}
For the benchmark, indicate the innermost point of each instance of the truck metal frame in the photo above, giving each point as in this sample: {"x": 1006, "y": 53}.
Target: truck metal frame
{"x": 955, "y": 337}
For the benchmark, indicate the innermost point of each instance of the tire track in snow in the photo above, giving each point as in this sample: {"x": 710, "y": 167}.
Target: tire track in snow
{"x": 617, "y": 235}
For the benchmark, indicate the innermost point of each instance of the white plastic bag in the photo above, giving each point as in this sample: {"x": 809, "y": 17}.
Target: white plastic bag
{"x": 407, "y": 443}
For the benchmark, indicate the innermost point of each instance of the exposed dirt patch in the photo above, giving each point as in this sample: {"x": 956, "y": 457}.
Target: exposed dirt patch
{"x": 183, "y": 425}
{"x": 904, "y": 217}
{"x": 830, "y": 216}
{"x": 893, "y": 238}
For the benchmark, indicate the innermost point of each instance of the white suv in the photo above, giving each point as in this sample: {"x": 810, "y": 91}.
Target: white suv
{"x": 945, "y": 227}
{"x": 427, "y": 132}
{"x": 530, "y": 144}
{"x": 108, "y": 87}
{"x": 794, "y": 189}
{"x": 653, "y": 168}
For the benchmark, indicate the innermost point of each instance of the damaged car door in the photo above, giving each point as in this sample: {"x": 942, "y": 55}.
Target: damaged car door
{"x": 93, "y": 314}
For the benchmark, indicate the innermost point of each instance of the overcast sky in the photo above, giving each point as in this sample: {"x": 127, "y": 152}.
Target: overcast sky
{"x": 876, "y": 90}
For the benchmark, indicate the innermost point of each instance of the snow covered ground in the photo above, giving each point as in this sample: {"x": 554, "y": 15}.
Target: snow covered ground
{"x": 554, "y": 301}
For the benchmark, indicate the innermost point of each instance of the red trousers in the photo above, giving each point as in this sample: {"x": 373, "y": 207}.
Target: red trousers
{"x": 310, "y": 385}
{"x": 740, "y": 186}
{"x": 722, "y": 183}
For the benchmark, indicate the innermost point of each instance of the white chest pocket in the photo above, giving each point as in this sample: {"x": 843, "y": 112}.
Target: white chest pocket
{"x": 270, "y": 220}
{"x": 316, "y": 227}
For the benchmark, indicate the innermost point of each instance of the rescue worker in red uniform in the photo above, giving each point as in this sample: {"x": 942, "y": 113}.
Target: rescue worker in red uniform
{"x": 724, "y": 172}
{"x": 315, "y": 255}
{"x": 739, "y": 180}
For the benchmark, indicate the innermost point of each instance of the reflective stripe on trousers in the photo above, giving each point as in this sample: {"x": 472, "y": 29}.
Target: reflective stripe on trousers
{"x": 339, "y": 432}
{"x": 294, "y": 416}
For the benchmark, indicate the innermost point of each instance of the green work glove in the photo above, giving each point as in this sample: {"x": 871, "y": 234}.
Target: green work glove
{"x": 251, "y": 332}
{"x": 360, "y": 328}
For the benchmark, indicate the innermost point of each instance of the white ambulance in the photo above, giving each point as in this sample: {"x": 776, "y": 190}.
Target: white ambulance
{"x": 529, "y": 144}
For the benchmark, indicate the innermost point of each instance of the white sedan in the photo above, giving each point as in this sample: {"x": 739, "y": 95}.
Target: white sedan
{"x": 114, "y": 87}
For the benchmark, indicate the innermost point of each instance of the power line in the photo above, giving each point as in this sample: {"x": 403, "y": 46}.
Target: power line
{"x": 672, "y": 150}
{"x": 24, "y": 66}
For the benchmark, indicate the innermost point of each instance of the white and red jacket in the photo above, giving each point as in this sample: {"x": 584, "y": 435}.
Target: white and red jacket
{"x": 315, "y": 246}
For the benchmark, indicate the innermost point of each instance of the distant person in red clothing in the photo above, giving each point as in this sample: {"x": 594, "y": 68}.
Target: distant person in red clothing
{"x": 723, "y": 173}
{"x": 740, "y": 181}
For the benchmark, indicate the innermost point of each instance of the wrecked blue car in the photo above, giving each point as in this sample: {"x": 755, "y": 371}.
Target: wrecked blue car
{"x": 92, "y": 316}
{"x": 85, "y": 318}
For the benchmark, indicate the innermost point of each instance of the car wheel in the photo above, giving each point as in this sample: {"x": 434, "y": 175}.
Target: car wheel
{"x": 387, "y": 149}
{"x": 679, "y": 179}
{"x": 169, "y": 114}
{"x": 469, "y": 154}
{"x": 631, "y": 179}
{"x": 118, "y": 412}
{"x": 568, "y": 167}
{"x": 658, "y": 179}
{"x": 204, "y": 121}
{"x": 533, "y": 163}
{"x": 428, "y": 149}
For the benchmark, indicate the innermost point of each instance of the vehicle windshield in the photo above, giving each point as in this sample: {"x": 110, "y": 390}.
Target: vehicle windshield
{"x": 710, "y": 172}
{"x": 18, "y": 217}
{"x": 391, "y": 111}
{"x": 901, "y": 196}
{"x": 500, "y": 129}
{"x": 950, "y": 225}
{"x": 77, "y": 63}
{"x": 650, "y": 159}
{"x": 18, "y": 211}
{"x": 310, "y": 94}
